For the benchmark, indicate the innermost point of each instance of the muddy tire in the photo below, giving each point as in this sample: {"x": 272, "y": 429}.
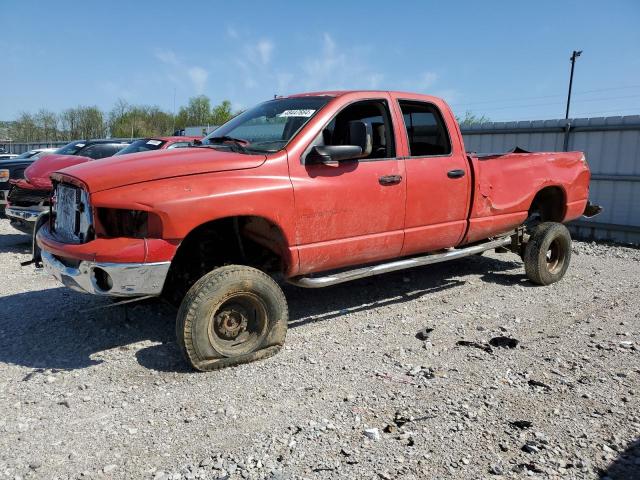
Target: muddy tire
{"x": 232, "y": 315}
{"x": 547, "y": 253}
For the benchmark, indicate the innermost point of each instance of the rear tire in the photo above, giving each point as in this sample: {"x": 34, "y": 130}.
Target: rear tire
{"x": 548, "y": 253}
{"x": 232, "y": 315}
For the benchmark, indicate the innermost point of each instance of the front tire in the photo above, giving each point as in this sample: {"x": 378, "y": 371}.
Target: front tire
{"x": 548, "y": 253}
{"x": 232, "y": 315}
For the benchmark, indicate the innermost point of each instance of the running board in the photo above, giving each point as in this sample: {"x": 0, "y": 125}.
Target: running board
{"x": 346, "y": 276}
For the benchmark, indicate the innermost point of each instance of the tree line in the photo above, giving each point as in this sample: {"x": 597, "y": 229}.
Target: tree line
{"x": 123, "y": 120}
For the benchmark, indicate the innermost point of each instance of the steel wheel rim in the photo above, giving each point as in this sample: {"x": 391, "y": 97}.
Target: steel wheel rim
{"x": 238, "y": 324}
{"x": 554, "y": 256}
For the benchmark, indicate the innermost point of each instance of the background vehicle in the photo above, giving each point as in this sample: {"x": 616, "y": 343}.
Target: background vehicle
{"x": 310, "y": 187}
{"x": 7, "y": 156}
{"x": 157, "y": 143}
{"x": 30, "y": 192}
{"x": 30, "y": 197}
{"x": 14, "y": 168}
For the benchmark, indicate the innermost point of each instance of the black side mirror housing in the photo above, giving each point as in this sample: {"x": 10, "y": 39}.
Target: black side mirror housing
{"x": 333, "y": 154}
{"x": 360, "y": 146}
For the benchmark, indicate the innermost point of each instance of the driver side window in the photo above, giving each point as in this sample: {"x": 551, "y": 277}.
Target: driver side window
{"x": 376, "y": 114}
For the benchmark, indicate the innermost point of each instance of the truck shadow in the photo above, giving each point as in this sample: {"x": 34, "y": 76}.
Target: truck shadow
{"x": 626, "y": 465}
{"x": 56, "y": 328}
{"x": 15, "y": 243}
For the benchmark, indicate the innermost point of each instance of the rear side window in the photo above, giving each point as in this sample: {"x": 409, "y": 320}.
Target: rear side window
{"x": 426, "y": 132}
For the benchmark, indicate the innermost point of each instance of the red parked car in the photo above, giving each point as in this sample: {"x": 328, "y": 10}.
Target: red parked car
{"x": 317, "y": 189}
{"x": 29, "y": 197}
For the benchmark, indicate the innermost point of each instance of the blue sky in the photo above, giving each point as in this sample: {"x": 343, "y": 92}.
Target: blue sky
{"x": 507, "y": 60}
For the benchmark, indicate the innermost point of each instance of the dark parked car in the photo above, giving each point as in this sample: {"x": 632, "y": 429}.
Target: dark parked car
{"x": 14, "y": 168}
{"x": 29, "y": 195}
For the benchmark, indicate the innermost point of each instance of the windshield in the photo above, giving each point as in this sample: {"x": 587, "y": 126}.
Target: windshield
{"x": 43, "y": 153}
{"x": 142, "y": 145}
{"x": 27, "y": 154}
{"x": 71, "y": 148}
{"x": 269, "y": 126}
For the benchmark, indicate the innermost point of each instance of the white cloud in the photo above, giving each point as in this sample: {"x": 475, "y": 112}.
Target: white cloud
{"x": 167, "y": 56}
{"x": 265, "y": 48}
{"x": 232, "y": 32}
{"x": 198, "y": 76}
{"x": 181, "y": 73}
{"x": 338, "y": 68}
{"x": 450, "y": 95}
{"x": 115, "y": 90}
{"x": 426, "y": 80}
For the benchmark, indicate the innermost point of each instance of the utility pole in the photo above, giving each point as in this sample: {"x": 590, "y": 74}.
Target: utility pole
{"x": 576, "y": 54}
{"x": 173, "y": 125}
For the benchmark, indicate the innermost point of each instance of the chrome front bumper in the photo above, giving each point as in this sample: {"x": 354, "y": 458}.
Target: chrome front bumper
{"x": 25, "y": 214}
{"x": 109, "y": 279}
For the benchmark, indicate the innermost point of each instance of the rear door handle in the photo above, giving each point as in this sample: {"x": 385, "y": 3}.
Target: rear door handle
{"x": 390, "y": 179}
{"x": 455, "y": 173}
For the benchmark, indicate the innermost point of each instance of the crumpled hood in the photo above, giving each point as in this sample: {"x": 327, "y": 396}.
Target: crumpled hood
{"x": 119, "y": 171}
{"x": 37, "y": 174}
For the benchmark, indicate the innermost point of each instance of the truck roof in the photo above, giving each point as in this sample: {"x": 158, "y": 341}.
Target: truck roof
{"x": 339, "y": 93}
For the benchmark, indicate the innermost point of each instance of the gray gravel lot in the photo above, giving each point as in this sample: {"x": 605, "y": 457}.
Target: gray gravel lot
{"x": 354, "y": 394}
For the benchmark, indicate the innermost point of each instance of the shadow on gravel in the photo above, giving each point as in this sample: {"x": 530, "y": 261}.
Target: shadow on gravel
{"x": 311, "y": 306}
{"x": 15, "y": 243}
{"x": 52, "y": 329}
{"x": 626, "y": 466}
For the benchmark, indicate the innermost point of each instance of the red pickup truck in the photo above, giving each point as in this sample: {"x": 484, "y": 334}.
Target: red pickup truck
{"x": 318, "y": 189}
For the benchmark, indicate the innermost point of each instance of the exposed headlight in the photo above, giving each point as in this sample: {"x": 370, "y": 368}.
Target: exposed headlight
{"x": 123, "y": 223}
{"x": 4, "y": 175}
{"x": 116, "y": 222}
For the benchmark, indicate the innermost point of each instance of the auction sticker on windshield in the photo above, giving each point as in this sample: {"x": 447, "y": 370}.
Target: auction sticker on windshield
{"x": 297, "y": 113}
{"x": 154, "y": 142}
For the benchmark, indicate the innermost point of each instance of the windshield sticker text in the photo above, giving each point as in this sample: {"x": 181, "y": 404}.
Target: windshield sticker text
{"x": 297, "y": 113}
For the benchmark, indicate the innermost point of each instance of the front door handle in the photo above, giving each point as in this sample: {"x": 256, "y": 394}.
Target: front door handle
{"x": 455, "y": 173}
{"x": 390, "y": 179}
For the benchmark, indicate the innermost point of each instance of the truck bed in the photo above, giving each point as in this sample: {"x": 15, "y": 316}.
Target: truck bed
{"x": 505, "y": 185}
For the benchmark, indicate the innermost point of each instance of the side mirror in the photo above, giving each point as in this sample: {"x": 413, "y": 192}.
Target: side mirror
{"x": 360, "y": 146}
{"x": 332, "y": 154}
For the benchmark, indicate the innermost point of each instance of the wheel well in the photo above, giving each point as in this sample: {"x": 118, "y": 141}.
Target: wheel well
{"x": 242, "y": 240}
{"x": 548, "y": 205}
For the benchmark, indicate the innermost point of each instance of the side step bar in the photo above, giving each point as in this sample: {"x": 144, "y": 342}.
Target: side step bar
{"x": 346, "y": 276}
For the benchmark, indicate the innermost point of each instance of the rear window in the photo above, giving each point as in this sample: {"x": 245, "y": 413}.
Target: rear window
{"x": 71, "y": 148}
{"x": 426, "y": 132}
{"x": 142, "y": 145}
{"x": 101, "y": 150}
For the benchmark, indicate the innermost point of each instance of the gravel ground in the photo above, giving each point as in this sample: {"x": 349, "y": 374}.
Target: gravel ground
{"x": 354, "y": 394}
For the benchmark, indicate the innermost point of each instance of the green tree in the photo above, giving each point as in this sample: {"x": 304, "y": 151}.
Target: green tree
{"x": 471, "y": 118}
{"x": 196, "y": 112}
{"x": 24, "y": 129}
{"x": 200, "y": 112}
{"x": 139, "y": 121}
{"x": 221, "y": 113}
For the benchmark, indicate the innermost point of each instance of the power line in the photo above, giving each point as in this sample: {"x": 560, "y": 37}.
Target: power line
{"x": 545, "y": 96}
{"x": 502, "y": 119}
{"x": 548, "y": 104}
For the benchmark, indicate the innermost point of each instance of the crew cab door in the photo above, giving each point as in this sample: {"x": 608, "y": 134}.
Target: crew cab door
{"x": 438, "y": 177}
{"x": 351, "y": 212}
